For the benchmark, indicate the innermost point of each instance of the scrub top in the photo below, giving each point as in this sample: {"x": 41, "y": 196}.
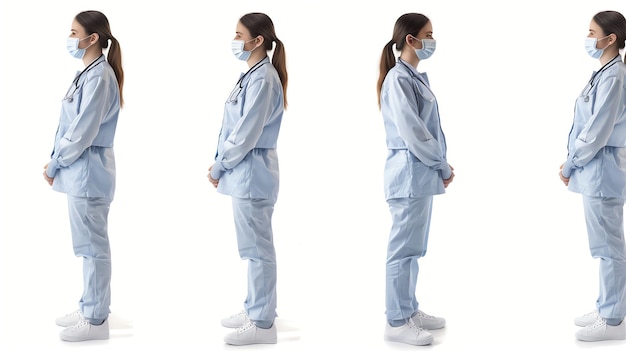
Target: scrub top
{"x": 83, "y": 163}
{"x": 246, "y": 162}
{"x": 416, "y": 161}
{"x": 596, "y": 161}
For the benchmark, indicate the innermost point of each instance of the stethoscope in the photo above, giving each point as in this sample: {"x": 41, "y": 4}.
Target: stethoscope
{"x": 69, "y": 95}
{"x": 417, "y": 77}
{"x": 232, "y": 98}
{"x": 597, "y": 74}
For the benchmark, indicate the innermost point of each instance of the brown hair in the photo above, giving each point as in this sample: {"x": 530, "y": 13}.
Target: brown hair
{"x": 260, "y": 24}
{"x": 612, "y": 22}
{"x": 409, "y": 23}
{"x": 96, "y": 22}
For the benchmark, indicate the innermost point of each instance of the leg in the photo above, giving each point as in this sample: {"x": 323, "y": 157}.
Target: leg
{"x": 88, "y": 222}
{"x": 408, "y": 241}
{"x": 605, "y": 228}
{"x": 253, "y": 223}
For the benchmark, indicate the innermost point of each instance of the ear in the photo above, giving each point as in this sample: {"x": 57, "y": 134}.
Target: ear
{"x": 260, "y": 40}
{"x": 409, "y": 39}
{"x": 612, "y": 38}
{"x": 94, "y": 38}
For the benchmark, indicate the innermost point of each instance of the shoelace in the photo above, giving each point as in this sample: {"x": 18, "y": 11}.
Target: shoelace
{"x": 81, "y": 324}
{"x": 592, "y": 314}
{"x": 75, "y": 313}
{"x": 424, "y": 315}
{"x": 414, "y": 326}
{"x": 599, "y": 323}
{"x": 248, "y": 325}
{"x": 240, "y": 313}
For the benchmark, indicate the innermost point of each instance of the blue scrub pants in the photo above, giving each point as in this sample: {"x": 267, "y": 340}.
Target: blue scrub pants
{"x": 88, "y": 222}
{"x": 605, "y": 228}
{"x": 253, "y": 224}
{"x": 407, "y": 242}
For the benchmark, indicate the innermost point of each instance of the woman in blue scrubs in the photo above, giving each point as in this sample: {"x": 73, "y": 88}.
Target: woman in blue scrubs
{"x": 246, "y": 168}
{"x": 596, "y": 168}
{"x": 416, "y": 169}
{"x": 83, "y": 166}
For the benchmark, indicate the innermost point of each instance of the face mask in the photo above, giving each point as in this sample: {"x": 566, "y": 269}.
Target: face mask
{"x": 72, "y": 47}
{"x": 239, "y": 52}
{"x": 592, "y": 50}
{"x": 427, "y": 50}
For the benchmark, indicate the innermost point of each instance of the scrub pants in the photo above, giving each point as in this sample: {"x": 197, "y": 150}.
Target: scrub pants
{"x": 605, "y": 228}
{"x": 88, "y": 222}
{"x": 253, "y": 224}
{"x": 407, "y": 242}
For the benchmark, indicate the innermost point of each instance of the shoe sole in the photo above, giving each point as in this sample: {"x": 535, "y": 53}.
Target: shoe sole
{"x": 588, "y": 339}
{"x": 234, "y": 343}
{"x": 426, "y": 341}
{"x": 72, "y": 339}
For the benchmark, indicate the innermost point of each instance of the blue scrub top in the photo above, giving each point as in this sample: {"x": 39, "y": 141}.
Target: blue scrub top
{"x": 416, "y": 161}
{"x": 246, "y": 162}
{"x": 596, "y": 161}
{"x": 83, "y": 162}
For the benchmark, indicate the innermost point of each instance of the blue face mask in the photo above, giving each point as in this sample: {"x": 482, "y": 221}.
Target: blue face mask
{"x": 427, "y": 50}
{"x": 592, "y": 50}
{"x": 72, "y": 47}
{"x": 239, "y": 52}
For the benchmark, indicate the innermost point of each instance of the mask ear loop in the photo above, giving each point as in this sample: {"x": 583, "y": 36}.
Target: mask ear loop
{"x": 417, "y": 40}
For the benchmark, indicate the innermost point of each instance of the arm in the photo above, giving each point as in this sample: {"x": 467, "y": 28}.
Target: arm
{"x": 246, "y": 134}
{"x": 411, "y": 128}
{"x": 598, "y": 129}
{"x": 84, "y": 128}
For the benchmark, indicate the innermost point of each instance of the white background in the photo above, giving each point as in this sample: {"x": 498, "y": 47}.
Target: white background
{"x": 508, "y": 263}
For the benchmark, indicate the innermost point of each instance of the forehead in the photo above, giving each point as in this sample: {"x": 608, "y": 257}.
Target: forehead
{"x": 593, "y": 26}
{"x": 76, "y": 27}
{"x": 428, "y": 28}
{"x": 241, "y": 29}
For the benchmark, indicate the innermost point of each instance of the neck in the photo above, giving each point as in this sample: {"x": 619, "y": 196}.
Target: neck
{"x": 256, "y": 56}
{"x": 608, "y": 55}
{"x": 90, "y": 56}
{"x": 410, "y": 57}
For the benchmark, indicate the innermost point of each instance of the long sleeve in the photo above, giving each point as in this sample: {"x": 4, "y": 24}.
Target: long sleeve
{"x": 84, "y": 128}
{"x": 246, "y": 133}
{"x": 598, "y": 129}
{"x": 405, "y": 114}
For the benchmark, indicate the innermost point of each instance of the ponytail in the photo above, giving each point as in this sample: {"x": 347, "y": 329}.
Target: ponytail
{"x": 97, "y": 22}
{"x": 387, "y": 61}
{"x": 279, "y": 62}
{"x": 114, "y": 57}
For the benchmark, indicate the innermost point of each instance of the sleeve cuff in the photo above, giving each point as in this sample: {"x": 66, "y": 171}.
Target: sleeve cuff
{"x": 217, "y": 171}
{"x": 446, "y": 172}
{"x": 568, "y": 166}
{"x": 51, "y": 171}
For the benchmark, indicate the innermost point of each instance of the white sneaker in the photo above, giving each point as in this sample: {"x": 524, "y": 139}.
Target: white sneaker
{"x": 587, "y": 319}
{"x": 408, "y": 334}
{"x": 70, "y": 319}
{"x": 600, "y": 331}
{"x": 83, "y": 331}
{"x": 236, "y": 320}
{"x": 427, "y": 321}
{"x": 249, "y": 334}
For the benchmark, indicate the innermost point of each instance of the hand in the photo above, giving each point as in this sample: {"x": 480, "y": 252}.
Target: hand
{"x": 563, "y": 179}
{"x": 213, "y": 181}
{"x": 45, "y": 175}
{"x": 447, "y": 182}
